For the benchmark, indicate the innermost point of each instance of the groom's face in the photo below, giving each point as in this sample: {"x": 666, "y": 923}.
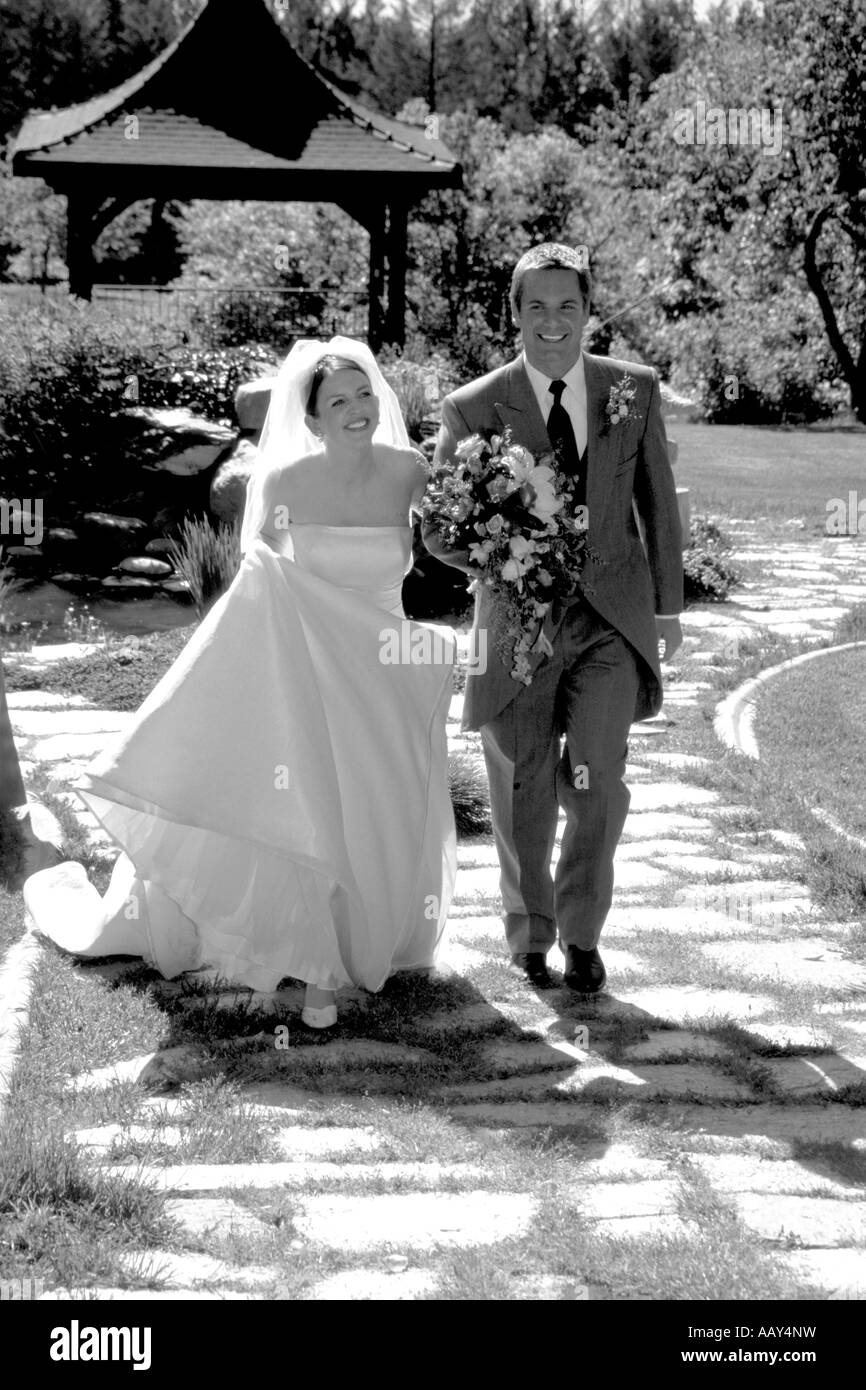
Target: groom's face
{"x": 552, "y": 317}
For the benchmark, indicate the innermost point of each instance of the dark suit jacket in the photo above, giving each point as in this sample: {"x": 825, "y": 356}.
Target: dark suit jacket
{"x": 626, "y": 462}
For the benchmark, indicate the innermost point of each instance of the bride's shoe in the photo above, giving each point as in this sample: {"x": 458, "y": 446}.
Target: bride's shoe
{"x": 316, "y": 1013}
{"x": 319, "y": 1018}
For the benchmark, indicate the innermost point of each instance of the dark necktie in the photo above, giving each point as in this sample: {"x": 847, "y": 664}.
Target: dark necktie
{"x": 562, "y": 438}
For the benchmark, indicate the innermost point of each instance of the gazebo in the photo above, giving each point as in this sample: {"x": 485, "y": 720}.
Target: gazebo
{"x": 231, "y": 111}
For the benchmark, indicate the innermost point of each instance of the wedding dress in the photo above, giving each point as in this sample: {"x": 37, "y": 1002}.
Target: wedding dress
{"x": 281, "y": 798}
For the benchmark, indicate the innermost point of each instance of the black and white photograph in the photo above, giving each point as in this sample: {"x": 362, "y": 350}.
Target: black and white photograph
{"x": 433, "y": 669}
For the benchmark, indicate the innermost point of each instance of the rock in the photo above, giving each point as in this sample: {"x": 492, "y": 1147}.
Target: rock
{"x": 145, "y": 565}
{"x": 176, "y": 441}
{"x": 67, "y": 580}
{"x": 24, "y": 558}
{"x": 108, "y": 537}
{"x": 252, "y": 401}
{"x": 127, "y": 583}
{"x": 160, "y": 546}
{"x": 177, "y": 588}
{"x": 229, "y": 484}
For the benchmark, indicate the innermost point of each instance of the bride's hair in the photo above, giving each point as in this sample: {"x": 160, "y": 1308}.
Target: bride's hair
{"x": 324, "y": 368}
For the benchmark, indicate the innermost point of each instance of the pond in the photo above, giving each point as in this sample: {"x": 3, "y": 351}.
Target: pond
{"x": 43, "y": 607}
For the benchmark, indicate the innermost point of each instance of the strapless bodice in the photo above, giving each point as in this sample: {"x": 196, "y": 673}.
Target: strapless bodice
{"x": 369, "y": 560}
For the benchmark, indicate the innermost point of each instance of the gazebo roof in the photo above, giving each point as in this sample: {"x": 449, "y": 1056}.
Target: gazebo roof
{"x": 229, "y": 97}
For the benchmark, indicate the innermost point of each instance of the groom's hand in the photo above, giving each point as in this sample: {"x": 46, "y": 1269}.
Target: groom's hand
{"x": 670, "y": 636}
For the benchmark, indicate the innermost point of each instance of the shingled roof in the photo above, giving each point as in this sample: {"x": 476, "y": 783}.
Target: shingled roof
{"x": 230, "y": 94}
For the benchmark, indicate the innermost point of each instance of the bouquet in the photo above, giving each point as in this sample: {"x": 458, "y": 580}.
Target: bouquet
{"x": 525, "y": 538}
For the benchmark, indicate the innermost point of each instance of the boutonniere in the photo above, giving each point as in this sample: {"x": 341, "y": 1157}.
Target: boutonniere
{"x": 620, "y": 402}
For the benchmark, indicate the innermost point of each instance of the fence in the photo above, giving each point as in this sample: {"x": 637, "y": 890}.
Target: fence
{"x": 222, "y": 315}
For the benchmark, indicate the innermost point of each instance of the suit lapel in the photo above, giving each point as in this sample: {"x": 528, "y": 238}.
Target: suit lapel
{"x": 519, "y": 409}
{"x": 598, "y": 442}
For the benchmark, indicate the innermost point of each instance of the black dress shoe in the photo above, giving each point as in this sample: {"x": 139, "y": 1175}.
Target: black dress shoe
{"x": 584, "y": 970}
{"x": 534, "y": 967}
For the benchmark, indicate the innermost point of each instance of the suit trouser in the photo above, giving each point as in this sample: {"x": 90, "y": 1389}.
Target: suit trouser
{"x": 586, "y": 689}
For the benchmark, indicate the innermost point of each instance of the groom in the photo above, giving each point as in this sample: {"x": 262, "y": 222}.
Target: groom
{"x": 604, "y": 669}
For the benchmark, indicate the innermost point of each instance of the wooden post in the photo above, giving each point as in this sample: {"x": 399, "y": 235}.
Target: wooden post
{"x": 375, "y": 319}
{"x": 80, "y": 211}
{"x": 398, "y": 232}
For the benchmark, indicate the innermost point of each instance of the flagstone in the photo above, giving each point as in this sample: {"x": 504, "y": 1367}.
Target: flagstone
{"x": 679, "y": 921}
{"x": 110, "y": 1295}
{"x": 473, "y": 884}
{"x": 298, "y": 1141}
{"x": 839, "y": 1271}
{"x": 474, "y": 1018}
{"x": 648, "y": 848}
{"x": 799, "y": 1075}
{"x": 198, "y": 1215}
{"x": 373, "y": 1285}
{"x": 477, "y": 857}
{"x": 797, "y": 960}
{"x": 634, "y": 874}
{"x": 58, "y": 747}
{"x": 622, "y": 1200}
{"x": 32, "y": 723}
{"x": 643, "y": 1082}
{"x": 822, "y": 1221}
{"x": 469, "y": 929}
{"x": 462, "y": 960}
{"x": 655, "y": 796}
{"x": 185, "y": 1271}
{"x": 677, "y": 1003}
{"x": 656, "y": 824}
{"x": 220, "y": 1177}
{"x": 414, "y": 1220}
{"x": 505, "y": 1058}
{"x": 703, "y": 866}
{"x": 680, "y": 759}
{"x": 676, "y": 1042}
{"x": 773, "y": 1127}
{"x": 622, "y": 1162}
{"x": 746, "y": 1173}
{"x": 345, "y": 1054}
{"x": 168, "y": 1067}
{"x": 44, "y": 700}
{"x": 104, "y": 1136}
{"x": 802, "y": 1036}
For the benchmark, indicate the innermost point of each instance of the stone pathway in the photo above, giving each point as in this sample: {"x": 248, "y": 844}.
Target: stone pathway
{"x": 735, "y": 1025}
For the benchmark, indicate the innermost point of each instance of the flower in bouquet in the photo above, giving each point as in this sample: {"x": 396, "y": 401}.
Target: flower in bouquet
{"x": 509, "y": 512}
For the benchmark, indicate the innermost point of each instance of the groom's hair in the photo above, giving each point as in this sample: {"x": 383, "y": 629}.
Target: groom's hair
{"x": 551, "y": 255}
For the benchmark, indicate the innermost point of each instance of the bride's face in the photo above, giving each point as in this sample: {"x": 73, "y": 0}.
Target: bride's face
{"x": 346, "y": 409}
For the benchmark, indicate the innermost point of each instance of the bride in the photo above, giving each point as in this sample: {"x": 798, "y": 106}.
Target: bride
{"x": 281, "y": 798}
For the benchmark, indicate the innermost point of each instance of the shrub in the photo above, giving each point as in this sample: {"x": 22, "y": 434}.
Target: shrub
{"x": 708, "y": 573}
{"x": 208, "y": 559}
{"x": 69, "y": 370}
{"x": 419, "y": 386}
{"x": 469, "y": 794}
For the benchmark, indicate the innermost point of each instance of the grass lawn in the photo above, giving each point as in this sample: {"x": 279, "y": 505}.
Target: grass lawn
{"x": 810, "y": 725}
{"x": 777, "y": 474}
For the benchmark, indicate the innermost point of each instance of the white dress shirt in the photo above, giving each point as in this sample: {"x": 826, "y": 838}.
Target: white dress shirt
{"x": 573, "y": 397}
